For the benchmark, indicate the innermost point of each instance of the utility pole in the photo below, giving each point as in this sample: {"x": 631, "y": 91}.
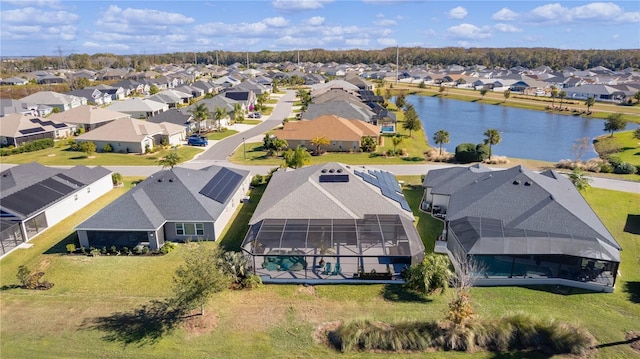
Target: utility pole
{"x": 397, "y": 63}
{"x": 217, "y": 64}
{"x": 247, "y": 60}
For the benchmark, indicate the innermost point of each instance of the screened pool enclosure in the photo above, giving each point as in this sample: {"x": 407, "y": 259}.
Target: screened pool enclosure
{"x": 375, "y": 247}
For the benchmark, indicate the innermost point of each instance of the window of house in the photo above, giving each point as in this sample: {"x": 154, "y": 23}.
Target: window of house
{"x": 189, "y": 229}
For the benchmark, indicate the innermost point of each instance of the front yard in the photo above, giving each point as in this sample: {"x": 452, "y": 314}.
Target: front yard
{"x": 275, "y": 320}
{"x": 61, "y": 155}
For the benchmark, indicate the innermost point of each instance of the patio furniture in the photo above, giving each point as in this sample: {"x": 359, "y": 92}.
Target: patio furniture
{"x": 337, "y": 270}
{"x": 327, "y": 269}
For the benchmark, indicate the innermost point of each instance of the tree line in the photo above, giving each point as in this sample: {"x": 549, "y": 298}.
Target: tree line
{"x": 408, "y": 56}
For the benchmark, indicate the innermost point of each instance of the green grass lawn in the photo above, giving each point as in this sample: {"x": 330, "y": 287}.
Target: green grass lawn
{"x": 220, "y": 135}
{"x": 61, "y": 155}
{"x": 275, "y": 320}
{"x": 628, "y": 145}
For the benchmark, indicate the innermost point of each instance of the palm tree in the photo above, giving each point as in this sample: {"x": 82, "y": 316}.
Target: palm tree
{"x": 396, "y": 140}
{"x": 237, "y": 112}
{"x": 492, "y": 138}
{"x": 554, "y": 94}
{"x": 562, "y": 95}
{"x": 579, "y": 180}
{"x": 201, "y": 113}
{"x": 319, "y": 141}
{"x": 590, "y": 101}
{"x": 219, "y": 114}
{"x": 440, "y": 137}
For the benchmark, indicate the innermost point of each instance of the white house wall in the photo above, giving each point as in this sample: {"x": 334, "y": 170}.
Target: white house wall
{"x": 224, "y": 218}
{"x": 77, "y": 200}
{"x": 441, "y": 200}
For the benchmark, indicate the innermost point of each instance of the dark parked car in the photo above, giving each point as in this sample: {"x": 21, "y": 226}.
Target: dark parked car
{"x": 255, "y": 115}
{"x": 196, "y": 140}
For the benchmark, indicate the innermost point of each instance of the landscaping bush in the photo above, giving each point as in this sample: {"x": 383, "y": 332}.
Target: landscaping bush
{"x": 468, "y": 152}
{"x": 71, "y": 248}
{"x": 167, "y": 247}
{"x": 434, "y": 155}
{"x": 27, "y": 147}
{"x": 614, "y": 160}
{"x": 107, "y": 148}
{"x": 625, "y": 168}
{"x": 257, "y": 180}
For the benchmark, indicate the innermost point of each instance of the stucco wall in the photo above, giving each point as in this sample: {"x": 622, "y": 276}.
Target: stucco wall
{"x": 222, "y": 220}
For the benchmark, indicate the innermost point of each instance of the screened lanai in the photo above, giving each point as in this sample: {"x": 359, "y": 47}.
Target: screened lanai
{"x": 375, "y": 247}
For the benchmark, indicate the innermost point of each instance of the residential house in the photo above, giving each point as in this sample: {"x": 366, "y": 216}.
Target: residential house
{"x": 9, "y": 106}
{"x": 33, "y": 198}
{"x": 54, "y": 99}
{"x": 177, "y": 117}
{"x": 14, "y": 81}
{"x": 332, "y": 222}
{"x": 354, "y": 111}
{"x": 172, "y": 98}
{"x": 192, "y": 90}
{"x": 522, "y": 227}
{"x": 116, "y": 93}
{"x": 245, "y": 97}
{"x": 129, "y": 135}
{"x": 93, "y": 96}
{"x": 344, "y": 134}
{"x": 176, "y": 205}
{"x": 212, "y": 104}
{"x": 88, "y": 117}
{"x": 50, "y": 79}
{"x": 604, "y": 93}
{"x": 17, "y": 129}
{"x": 206, "y": 86}
{"x": 139, "y": 108}
{"x": 132, "y": 86}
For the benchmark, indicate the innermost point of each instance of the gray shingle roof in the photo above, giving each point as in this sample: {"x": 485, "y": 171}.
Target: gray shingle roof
{"x": 169, "y": 195}
{"x": 300, "y": 194}
{"x": 544, "y": 205}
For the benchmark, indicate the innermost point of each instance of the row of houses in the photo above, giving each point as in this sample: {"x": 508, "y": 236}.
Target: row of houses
{"x": 334, "y": 222}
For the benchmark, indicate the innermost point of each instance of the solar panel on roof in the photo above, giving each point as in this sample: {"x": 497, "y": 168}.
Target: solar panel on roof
{"x": 387, "y": 184}
{"x": 35, "y": 197}
{"x": 334, "y": 178}
{"x": 29, "y": 131}
{"x": 59, "y": 125}
{"x": 57, "y": 186}
{"x": 222, "y": 185}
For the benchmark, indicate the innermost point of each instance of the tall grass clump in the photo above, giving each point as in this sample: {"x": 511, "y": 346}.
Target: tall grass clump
{"x": 368, "y": 335}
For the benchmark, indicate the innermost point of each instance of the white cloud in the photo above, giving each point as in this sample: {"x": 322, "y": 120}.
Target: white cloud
{"x": 615, "y": 36}
{"x": 130, "y": 20}
{"x": 507, "y": 28}
{"x": 276, "y": 21}
{"x": 458, "y": 13}
{"x": 240, "y": 30}
{"x": 387, "y": 41}
{"x": 298, "y": 5}
{"x": 31, "y": 15}
{"x": 315, "y": 21}
{"x": 505, "y": 14}
{"x": 357, "y": 42}
{"x": 385, "y": 22}
{"x": 593, "y": 12}
{"x": 468, "y": 31}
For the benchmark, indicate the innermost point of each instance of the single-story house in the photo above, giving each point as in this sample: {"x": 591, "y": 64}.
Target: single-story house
{"x": 117, "y": 93}
{"x": 34, "y": 197}
{"x": 9, "y": 106}
{"x": 178, "y": 204}
{"x": 14, "y": 81}
{"x": 53, "y": 99}
{"x": 344, "y": 134}
{"x": 332, "y": 222}
{"x": 17, "y": 129}
{"x": 93, "y": 96}
{"x": 522, "y": 227}
{"x": 355, "y": 111}
{"x": 88, "y": 117}
{"x": 177, "y": 117}
{"x": 139, "y": 108}
{"x": 129, "y": 135}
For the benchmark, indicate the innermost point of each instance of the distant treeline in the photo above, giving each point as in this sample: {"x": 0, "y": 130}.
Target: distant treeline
{"x": 489, "y": 57}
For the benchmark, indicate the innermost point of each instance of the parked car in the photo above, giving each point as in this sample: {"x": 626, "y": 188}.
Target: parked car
{"x": 255, "y": 115}
{"x": 196, "y": 140}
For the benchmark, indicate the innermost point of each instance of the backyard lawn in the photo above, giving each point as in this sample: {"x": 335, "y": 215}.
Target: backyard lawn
{"x": 61, "y": 155}
{"x": 624, "y": 141}
{"x": 89, "y": 311}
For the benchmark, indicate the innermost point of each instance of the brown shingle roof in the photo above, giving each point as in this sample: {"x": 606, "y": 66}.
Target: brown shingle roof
{"x": 332, "y": 127}
{"x": 88, "y": 115}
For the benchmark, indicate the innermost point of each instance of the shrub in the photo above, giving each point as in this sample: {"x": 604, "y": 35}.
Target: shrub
{"x": 113, "y": 249}
{"x": 434, "y": 155}
{"x": 107, "y": 148}
{"x": 625, "y": 168}
{"x": 606, "y": 167}
{"x": 103, "y": 251}
{"x": 116, "y": 178}
{"x": 94, "y": 252}
{"x": 257, "y": 180}
{"x": 167, "y": 247}
{"x": 71, "y": 248}
{"x": 138, "y": 249}
{"x": 614, "y": 160}
{"x": 496, "y": 160}
{"x": 468, "y": 152}
{"x": 145, "y": 250}
{"x": 28, "y": 147}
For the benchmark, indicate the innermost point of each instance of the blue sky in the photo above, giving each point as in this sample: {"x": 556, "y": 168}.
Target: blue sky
{"x": 45, "y": 27}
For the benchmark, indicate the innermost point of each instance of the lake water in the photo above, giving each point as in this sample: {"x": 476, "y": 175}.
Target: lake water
{"x": 525, "y": 134}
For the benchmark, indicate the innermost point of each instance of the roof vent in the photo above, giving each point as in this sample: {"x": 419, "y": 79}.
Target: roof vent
{"x": 170, "y": 179}
{"x": 516, "y": 182}
{"x": 324, "y": 170}
{"x": 339, "y": 170}
{"x": 159, "y": 179}
{"x": 551, "y": 197}
{"x": 331, "y": 170}
{"x": 527, "y": 183}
